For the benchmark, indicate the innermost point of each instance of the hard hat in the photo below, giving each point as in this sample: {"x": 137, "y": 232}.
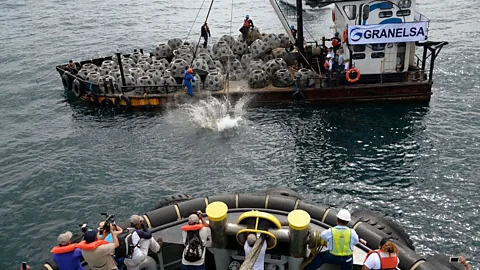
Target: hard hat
{"x": 247, "y": 16}
{"x": 190, "y": 70}
{"x": 329, "y": 56}
{"x": 292, "y": 26}
{"x": 344, "y": 215}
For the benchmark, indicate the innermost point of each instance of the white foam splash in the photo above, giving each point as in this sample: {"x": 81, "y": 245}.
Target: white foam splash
{"x": 215, "y": 114}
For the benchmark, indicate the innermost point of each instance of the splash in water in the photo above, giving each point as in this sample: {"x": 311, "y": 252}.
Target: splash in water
{"x": 215, "y": 114}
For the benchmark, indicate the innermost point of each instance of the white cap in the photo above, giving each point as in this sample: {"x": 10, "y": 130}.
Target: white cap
{"x": 344, "y": 215}
{"x": 251, "y": 239}
{"x": 192, "y": 219}
{"x": 329, "y": 56}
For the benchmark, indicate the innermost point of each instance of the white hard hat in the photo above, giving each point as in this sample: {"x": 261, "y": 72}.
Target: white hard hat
{"x": 329, "y": 56}
{"x": 344, "y": 215}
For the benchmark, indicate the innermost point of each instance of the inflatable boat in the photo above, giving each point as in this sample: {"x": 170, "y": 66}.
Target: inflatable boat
{"x": 290, "y": 222}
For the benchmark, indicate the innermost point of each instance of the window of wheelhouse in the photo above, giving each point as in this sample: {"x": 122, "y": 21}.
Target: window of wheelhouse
{"x": 365, "y": 12}
{"x": 403, "y": 12}
{"x": 350, "y": 11}
{"x": 404, "y": 3}
{"x": 359, "y": 48}
{"x": 358, "y": 56}
{"x": 385, "y": 14}
{"x": 378, "y": 47}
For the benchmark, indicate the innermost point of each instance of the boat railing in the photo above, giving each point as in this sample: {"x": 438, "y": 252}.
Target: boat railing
{"x": 419, "y": 17}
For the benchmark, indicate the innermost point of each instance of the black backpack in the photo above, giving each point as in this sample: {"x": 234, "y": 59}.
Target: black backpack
{"x": 193, "y": 246}
{"x": 126, "y": 246}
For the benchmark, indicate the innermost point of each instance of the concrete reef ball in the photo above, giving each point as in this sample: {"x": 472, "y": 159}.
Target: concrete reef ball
{"x": 145, "y": 58}
{"x": 236, "y": 71}
{"x": 258, "y": 78}
{"x": 167, "y": 84}
{"x": 163, "y": 51}
{"x": 188, "y": 57}
{"x": 135, "y": 56}
{"x": 220, "y": 66}
{"x": 302, "y": 77}
{"x": 267, "y": 57}
{"x": 228, "y": 39}
{"x": 246, "y": 59}
{"x": 282, "y": 78}
{"x": 207, "y": 57}
{"x": 90, "y": 66}
{"x": 183, "y": 49}
{"x": 272, "y": 40}
{"x": 258, "y": 48}
{"x": 214, "y": 81}
{"x": 280, "y": 53}
{"x": 154, "y": 74}
{"x": 174, "y": 43}
{"x": 129, "y": 81}
{"x": 284, "y": 41}
{"x": 104, "y": 70}
{"x": 110, "y": 64}
{"x": 136, "y": 72}
{"x": 145, "y": 81}
{"x": 240, "y": 48}
{"x": 200, "y": 64}
{"x": 115, "y": 73}
{"x": 273, "y": 65}
{"x": 177, "y": 68}
{"x": 255, "y": 64}
{"x": 144, "y": 65}
{"x": 218, "y": 45}
{"x": 94, "y": 77}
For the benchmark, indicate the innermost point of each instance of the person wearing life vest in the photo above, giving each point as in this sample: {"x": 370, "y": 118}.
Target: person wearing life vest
{"x": 385, "y": 257}
{"x": 336, "y": 41}
{"x": 143, "y": 241}
{"x": 196, "y": 226}
{"x": 247, "y": 24}
{"x": 98, "y": 252}
{"x": 293, "y": 31}
{"x": 187, "y": 80}
{"x": 66, "y": 255}
{"x": 340, "y": 241}
{"x": 205, "y": 33}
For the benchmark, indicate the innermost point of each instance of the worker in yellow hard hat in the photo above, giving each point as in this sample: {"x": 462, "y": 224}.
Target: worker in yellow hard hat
{"x": 188, "y": 79}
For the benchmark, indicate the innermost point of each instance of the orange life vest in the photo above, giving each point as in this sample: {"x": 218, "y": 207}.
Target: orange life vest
{"x": 63, "y": 249}
{"x": 246, "y": 23}
{"x": 389, "y": 262}
{"x": 192, "y": 227}
{"x": 326, "y": 64}
{"x": 91, "y": 246}
{"x": 334, "y": 42}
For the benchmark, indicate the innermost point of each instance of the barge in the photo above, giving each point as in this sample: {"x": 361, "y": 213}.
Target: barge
{"x": 374, "y": 60}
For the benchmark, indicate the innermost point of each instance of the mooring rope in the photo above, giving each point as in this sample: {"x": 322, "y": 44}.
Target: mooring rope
{"x": 253, "y": 255}
{"x": 195, "y": 20}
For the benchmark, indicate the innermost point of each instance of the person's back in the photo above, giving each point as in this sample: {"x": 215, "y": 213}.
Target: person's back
{"x": 67, "y": 256}
{"x": 140, "y": 252}
{"x": 260, "y": 262}
{"x": 98, "y": 253}
{"x": 386, "y": 257}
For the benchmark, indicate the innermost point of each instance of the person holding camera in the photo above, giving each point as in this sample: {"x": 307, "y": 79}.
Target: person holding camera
{"x": 142, "y": 241}
{"x": 195, "y": 237}
{"x": 66, "y": 255}
{"x": 101, "y": 230}
{"x": 98, "y": 252}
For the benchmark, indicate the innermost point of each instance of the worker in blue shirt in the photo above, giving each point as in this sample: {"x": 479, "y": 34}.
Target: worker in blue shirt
{"x": 340, "y": 241}
{"x": 187, "y": 80}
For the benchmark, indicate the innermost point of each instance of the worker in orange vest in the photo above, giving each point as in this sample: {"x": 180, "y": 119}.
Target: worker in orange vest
{"x": 247, "y": 24}
{"x": 386, "y": 257}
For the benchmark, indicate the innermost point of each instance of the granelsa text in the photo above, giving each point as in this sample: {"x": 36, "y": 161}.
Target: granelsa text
{"x": 394, "y": 33}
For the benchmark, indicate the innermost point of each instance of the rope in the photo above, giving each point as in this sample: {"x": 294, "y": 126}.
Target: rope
{"x": 228, "y": 65}
{"x": 253, "y": 255}
{"x": 317, "y": 247}
{"x": 194, "y": 21}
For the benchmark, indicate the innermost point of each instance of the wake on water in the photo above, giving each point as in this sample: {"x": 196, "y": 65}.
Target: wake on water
{"x": 217, "y": 115}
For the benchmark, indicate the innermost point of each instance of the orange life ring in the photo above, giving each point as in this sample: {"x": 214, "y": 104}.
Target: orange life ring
{"x": 334, "y": 17}
{"x": 345, "y": 36}
{"x": 354, "y": 80}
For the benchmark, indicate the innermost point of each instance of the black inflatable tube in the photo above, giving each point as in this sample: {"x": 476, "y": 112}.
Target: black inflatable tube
{"x": 281, "y": 203}
{"x": 407, "y": 256}
{"x": 192, "y": 206}
{"x": 228, "y": 199}
{"x": 162, "y": 216}
{"x": 371, "y": 235}
{"x": 316, "y": 211}
{"x": 251, "y": 201}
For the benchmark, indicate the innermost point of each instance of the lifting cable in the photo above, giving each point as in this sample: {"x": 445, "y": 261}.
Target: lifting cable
{"x": 206, "y": 19}
{"x": 228, "y": 64}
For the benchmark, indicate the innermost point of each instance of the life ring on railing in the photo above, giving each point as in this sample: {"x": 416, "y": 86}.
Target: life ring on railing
{"x": 92, "y": 98}
{"x": 345, "y": 36}
{"x": 67, "y": 85}
{"x": 357, "y": 77}
{"x": 77, "y": 88}
{"x": 298, "y": 96}
{"x": 121, "y": 97}
{"x": 334, "y": 16}
{"x": 107, "y": 103}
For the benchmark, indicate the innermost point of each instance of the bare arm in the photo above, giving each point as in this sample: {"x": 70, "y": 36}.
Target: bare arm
{"x": 115, "y": 232}
{"x": 200, "y": 215}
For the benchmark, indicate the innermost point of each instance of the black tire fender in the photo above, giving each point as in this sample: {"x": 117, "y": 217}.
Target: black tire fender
{"x": 92, "y": 98}
{"x": 107, "y": 103}
{"x": 384, "y": 224}
{"x": 124, "y": 98}
{"x": 77, "y": 88}
{"x": 298, "y": 96}
{"x": 67, "y": 84}
{"x": 170, "y": 200}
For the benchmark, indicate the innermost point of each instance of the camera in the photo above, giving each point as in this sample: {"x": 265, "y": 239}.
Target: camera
{"x": 84, "y": 227}
{"x": 108, "y": 221}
